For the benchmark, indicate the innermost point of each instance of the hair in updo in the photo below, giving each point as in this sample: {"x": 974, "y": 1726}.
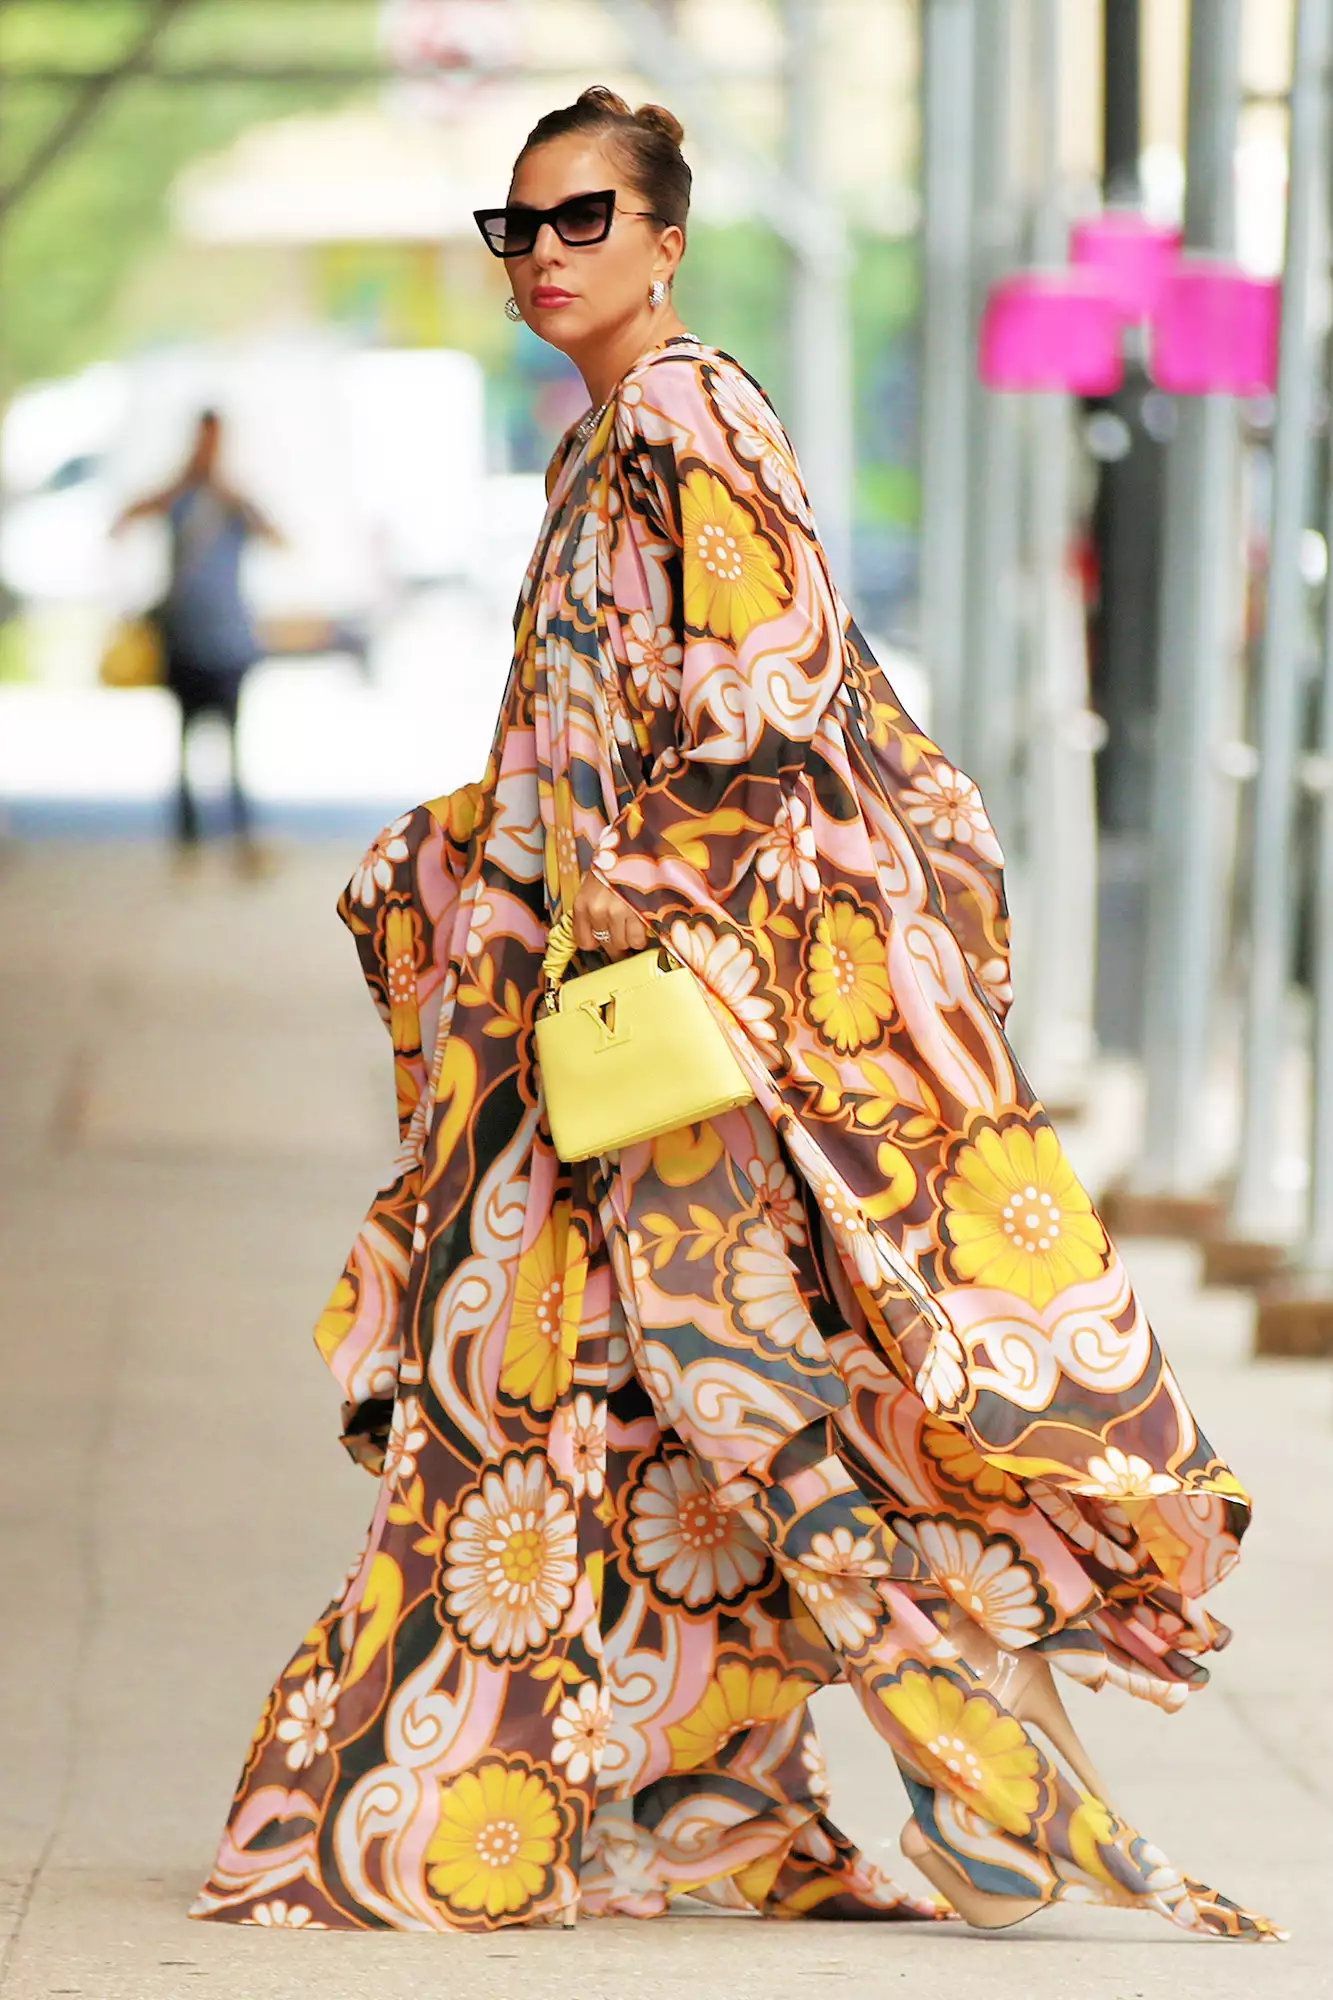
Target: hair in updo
{"x": 645, "y": 142}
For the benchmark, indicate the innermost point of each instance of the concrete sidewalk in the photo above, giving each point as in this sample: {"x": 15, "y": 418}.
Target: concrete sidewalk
{"x": 197, "y": 1106}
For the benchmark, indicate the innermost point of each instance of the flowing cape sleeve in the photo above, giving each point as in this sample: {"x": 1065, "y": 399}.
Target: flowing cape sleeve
{"x": 717, "y": 527}
{"x": 759, "y": 627}
{"x": 401, "y": 908}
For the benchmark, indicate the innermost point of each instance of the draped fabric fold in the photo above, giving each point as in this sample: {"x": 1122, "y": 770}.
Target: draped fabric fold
{"x": 668, "y": 1441}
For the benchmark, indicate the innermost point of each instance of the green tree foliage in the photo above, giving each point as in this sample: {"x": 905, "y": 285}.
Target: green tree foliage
{"x": 65, "y": 249}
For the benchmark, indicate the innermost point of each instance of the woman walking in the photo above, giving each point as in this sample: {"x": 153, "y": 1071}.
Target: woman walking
{"x": 208, "y": 639}
{"x": 846, "y": 1384}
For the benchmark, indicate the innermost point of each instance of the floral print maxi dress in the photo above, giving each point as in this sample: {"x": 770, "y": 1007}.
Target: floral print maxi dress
{"x": 667, "y": 1441}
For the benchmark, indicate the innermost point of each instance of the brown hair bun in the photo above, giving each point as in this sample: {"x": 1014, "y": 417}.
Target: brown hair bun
{"x": 656, "y": 118}
{"x": 599, "y": 98}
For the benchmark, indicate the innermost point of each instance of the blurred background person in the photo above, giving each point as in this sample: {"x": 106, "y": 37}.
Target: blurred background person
{"x": 209, "y": 640}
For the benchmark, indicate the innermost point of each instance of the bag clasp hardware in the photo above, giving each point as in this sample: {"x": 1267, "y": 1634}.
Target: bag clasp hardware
{"x": 605, "y": 1014}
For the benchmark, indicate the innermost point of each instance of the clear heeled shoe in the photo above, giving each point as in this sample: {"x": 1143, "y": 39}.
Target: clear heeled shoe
{"x": 981, "y": 1908}
{"x": 1023, "y": 1681}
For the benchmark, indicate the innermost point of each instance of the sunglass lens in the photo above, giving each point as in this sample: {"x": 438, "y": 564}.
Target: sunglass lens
{"x": 508, "y": 232}
{"x": 584, "y": 219}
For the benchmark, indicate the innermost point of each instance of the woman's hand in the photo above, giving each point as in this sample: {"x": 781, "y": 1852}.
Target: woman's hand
{"x": 602, "y": 922}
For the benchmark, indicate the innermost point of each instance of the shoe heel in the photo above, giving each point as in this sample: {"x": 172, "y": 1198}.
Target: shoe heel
{"x": 1040, "y": 1704}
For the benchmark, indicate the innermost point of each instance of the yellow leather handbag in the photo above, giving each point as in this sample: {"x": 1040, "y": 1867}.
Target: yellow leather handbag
{"x": 628, "y": 1052}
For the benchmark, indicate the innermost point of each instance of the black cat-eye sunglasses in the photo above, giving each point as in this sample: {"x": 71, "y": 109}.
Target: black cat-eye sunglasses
{"x": 580, "y": 221}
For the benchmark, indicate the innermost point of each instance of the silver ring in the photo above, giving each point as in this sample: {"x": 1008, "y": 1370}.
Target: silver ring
{"x": 601, "y": 937}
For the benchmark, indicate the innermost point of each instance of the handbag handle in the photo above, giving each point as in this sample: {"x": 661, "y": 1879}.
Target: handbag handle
{"x": 560, "y": 949}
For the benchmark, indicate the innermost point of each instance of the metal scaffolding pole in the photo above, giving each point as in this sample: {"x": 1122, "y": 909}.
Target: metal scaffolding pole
{"x": 990, "y": 716}
{"x": 946, "y": 355}
{"x": 1055, "y": 937}
{"x": 1254, "y": 1213}
{"x": 1121, "y": 39}
{"x": 820, "y": 324}
{"x": 1316, "y": 1254}
{"x": 1198, "y": 634}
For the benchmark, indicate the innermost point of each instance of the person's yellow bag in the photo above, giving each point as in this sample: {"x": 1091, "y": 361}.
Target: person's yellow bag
{"x": 134, "y": 657}
{"x": 629, "y": 1052}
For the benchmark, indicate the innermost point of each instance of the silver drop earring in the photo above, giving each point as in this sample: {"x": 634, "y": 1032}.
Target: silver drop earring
{"x": 657, "y": 293}
{"x": 513, "y": 310}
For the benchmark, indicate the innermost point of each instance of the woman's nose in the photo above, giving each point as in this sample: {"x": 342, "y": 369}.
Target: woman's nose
{"x": 547, "y": 247}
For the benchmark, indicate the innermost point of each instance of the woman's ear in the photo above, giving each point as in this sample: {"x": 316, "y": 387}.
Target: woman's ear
{"x": 670, "y": 250}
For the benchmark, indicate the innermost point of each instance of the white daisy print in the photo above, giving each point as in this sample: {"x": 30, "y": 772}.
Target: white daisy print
{"x": 942, "y": 1376}
{"x": 983, "y": 1577}
{"x": 993, "y": 979}
{"x": 278, "y": 1915}
{"x": 846, "y": 1608}
{"x": 950, "y": 805}
{"x": 580, "y": 1730}
{"x": 588, "y": 1441}
{"x": 510, "y": 1564}
{"x": 375, "y": 872}
{"x": 815, "y": 1766}
{"x": 768, "y": 1301}
{"x": 778, "y": 1197}
{"x": 309, "y": 1718}
{"x": 694, "y": 1551}
{"x": 1123, "y": 1476}
{"x": 407, "y": 1435}
{"x": 787, "y": 856}
{"x": 654, "y": 654}
{"x": 729, "y": 969}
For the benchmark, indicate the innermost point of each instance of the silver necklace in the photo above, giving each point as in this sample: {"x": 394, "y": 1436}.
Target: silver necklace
{"x": 585, "y": 426}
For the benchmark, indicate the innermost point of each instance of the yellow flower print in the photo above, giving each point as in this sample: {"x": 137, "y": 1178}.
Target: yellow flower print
{"x": 1016, "y": 1218}
{"x": 847, "y": 975}
{"x": 548, "y": 1306}
{"x": 732, "y": 578}
{"x": 564, "y": 870}
{"x": 498, "y": 1834}
{"x": 335, "y": 1322}
{"x": 967, "y": 1746}
{"x": 738, "y": 1696}
{"x": 458, "y": 812}
{"x": 962, "y": 1464}
{"x": 402, "y": 956}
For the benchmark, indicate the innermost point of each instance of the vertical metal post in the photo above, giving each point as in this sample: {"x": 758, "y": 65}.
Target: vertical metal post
{"x": 1127, "y": 528}
{"x": 946, "y": 354}
{"x": 1197, "y": 638}
{"x": 1255, "y": 1209}
{"x": 1316, "y": 1257}
{"x": 1055, "y": 947}
{"x": 1121, "y": 33}
{"x": 820, "y": 322}
{"x": 989, "y": 721}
